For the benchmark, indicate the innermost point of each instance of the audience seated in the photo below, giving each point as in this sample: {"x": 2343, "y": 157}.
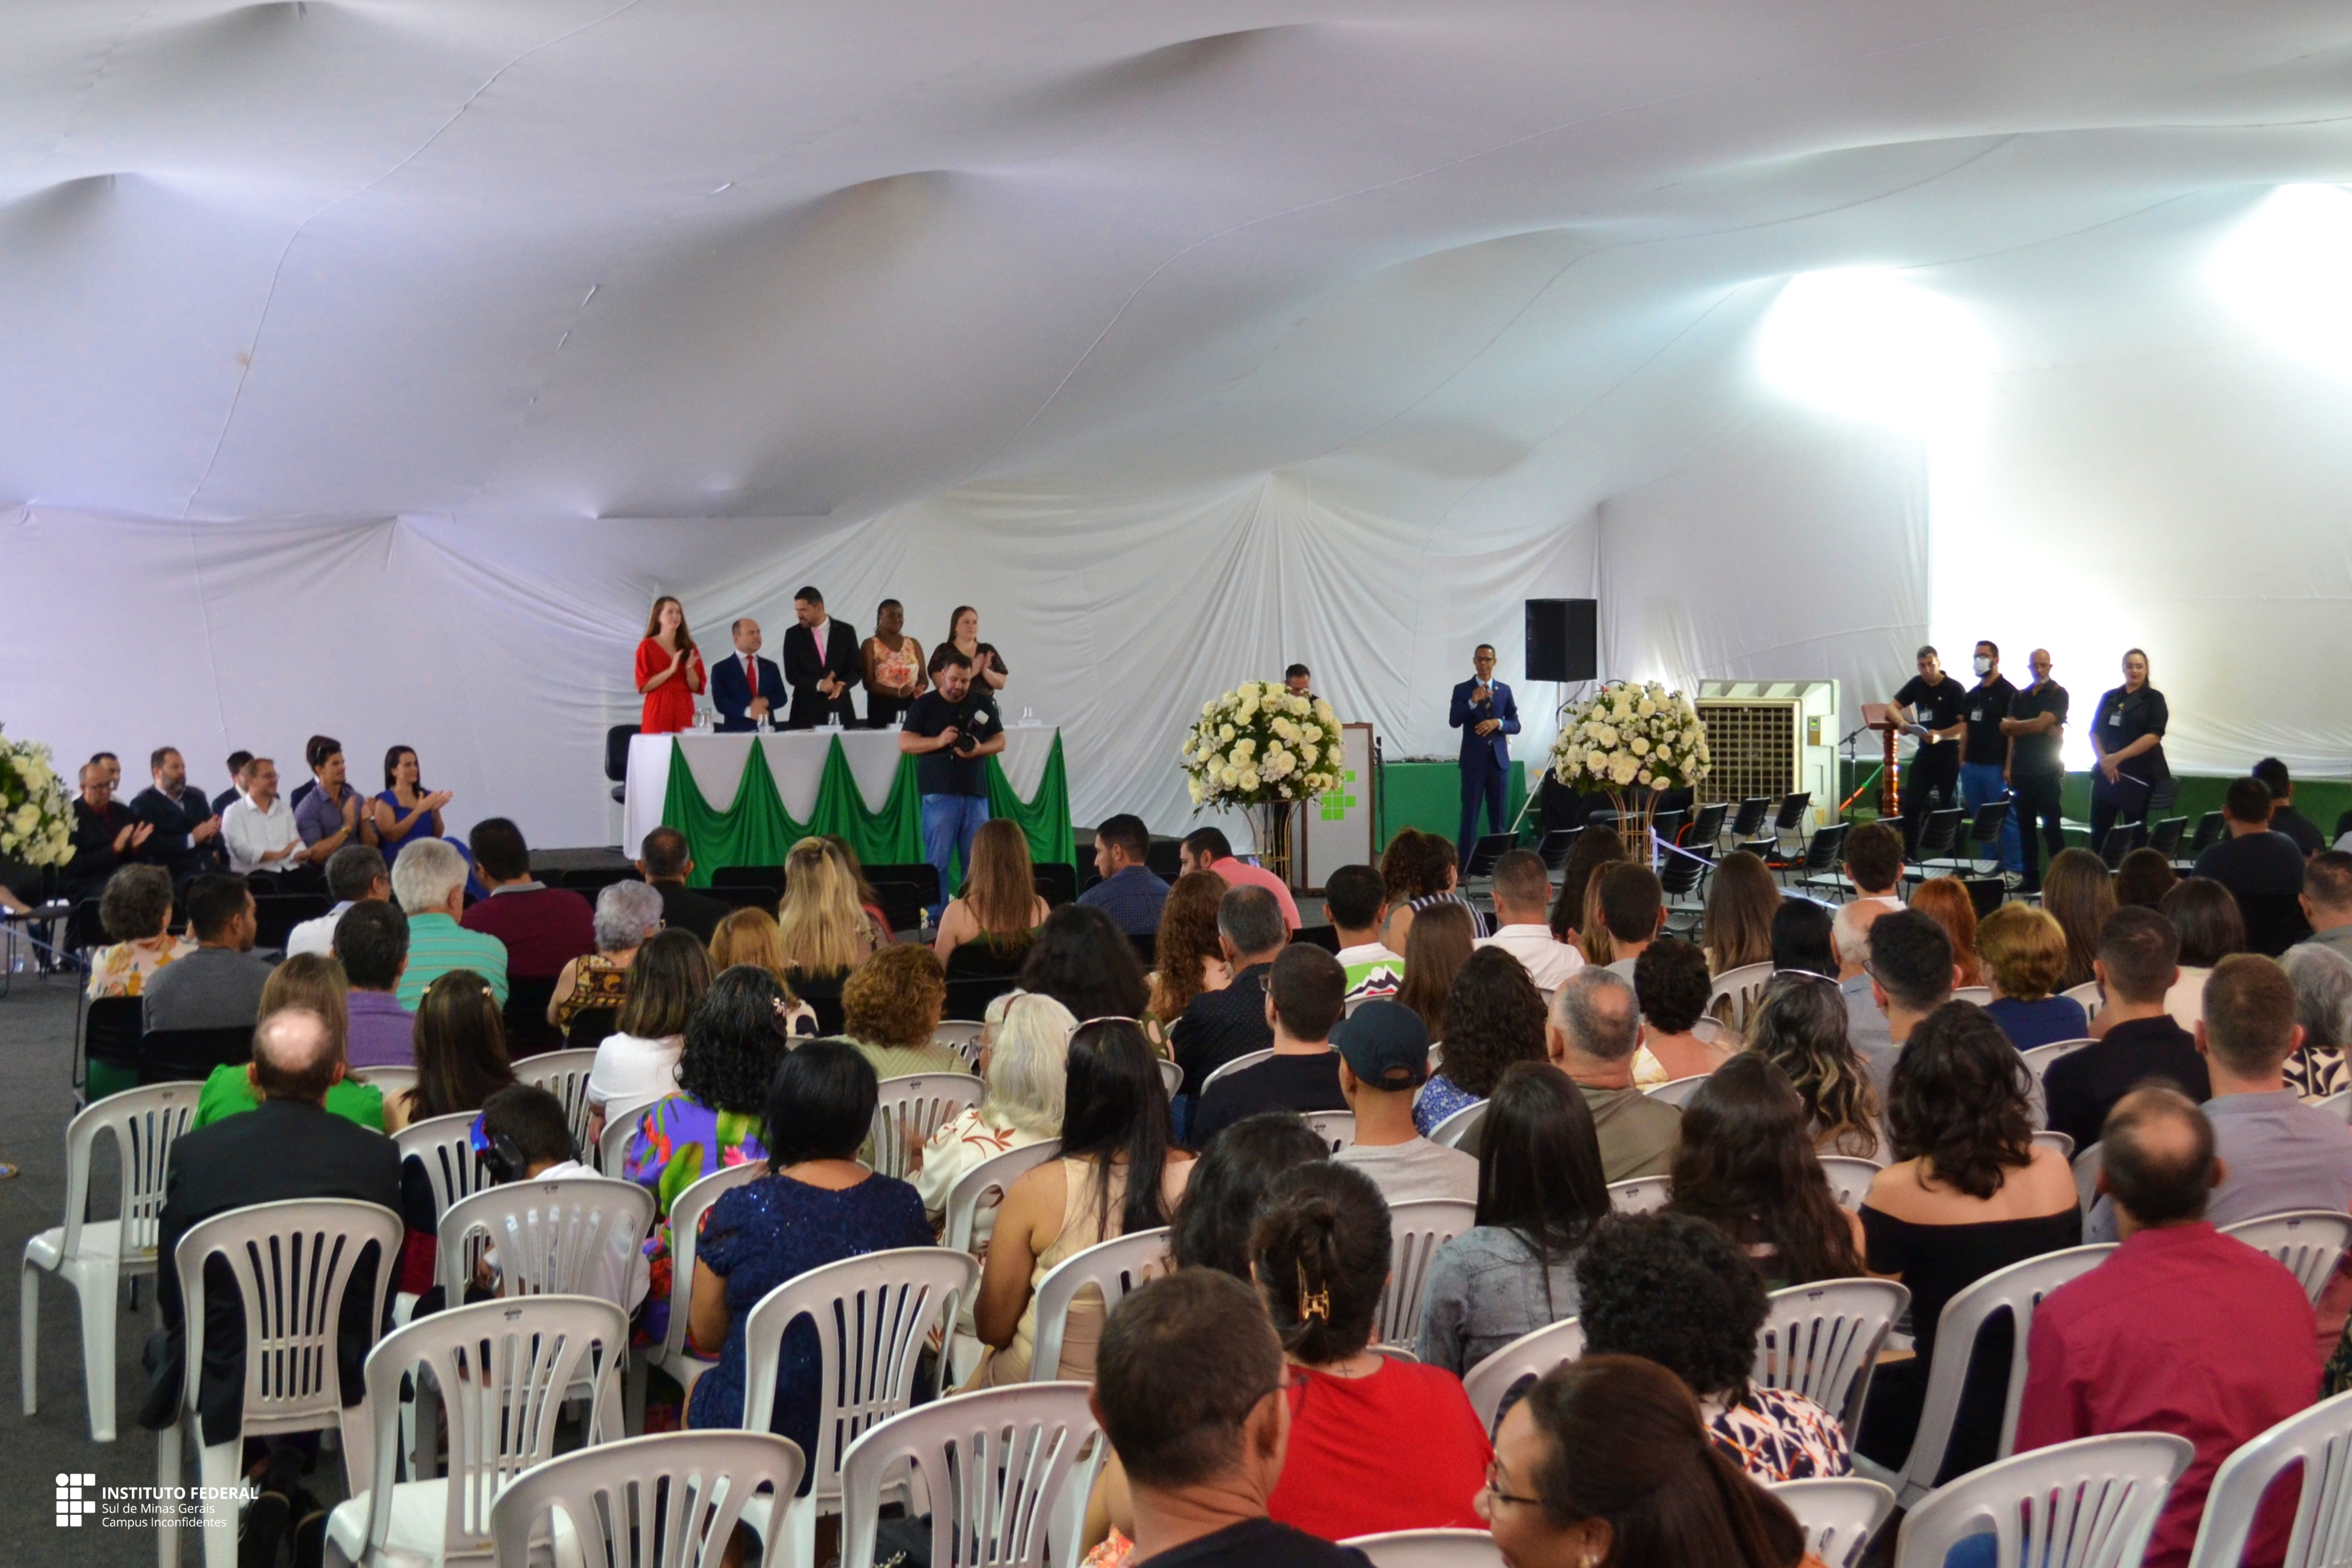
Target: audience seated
{"x": 1674, "y": 1290}
{"x": 639, "y": 1058}
{"x": 627, "y": 914}
{"x": 1219, "y": 1026}
{"x": 529, "y": 1122}
{"x": 1865, "y": 1024}
{"x": 869, "y": 902}
{"x": 107, "y": 836}
{"x": 665, "y": 864}
{"x": 1799, "y": 1027}
{"x": 1968, "y": 1193}
{"x": 1376, "y": 1443}
{"x": 2143, "y": 880}
{"x": 2179, "y": 1330}
{"x": 2024, "y": 953}
{"x": 1191, "y": 1397}
{"x": 2207, "y": 915}
{"x": 289, "y": 1147}
{"x": 824, "y": 932}
{"x": 1746, "y": 1165}
{"x": 1130, "y": 892}
{"x": 1117, "y": 1172}
{"x": 2255, "y": 860}
{"x": 1595, "y": 851}
{"x": 999, "y": 911}
{"x": 1608, "y": 1459}
{"x": 1419, "y": 871}
{"x": 136, "y": 911}
{"x": 1383, "y": 1060}
{"x": 1912, "y": 974}
{"x": 217, "y": 986}
{"x": 1025, "y": 1053}
{"x": 429, "y": 880}
{"x": 816, "y": 1205}
{"x": 1874, "y": 864}
{"x": 1742, "y": 902}
{"x": 329, "y": 814}
{"x": 2323, "y": 993}
{"x": 1356, "y": 901}
{"x": 461, "y": 1052}
{"x": 257, "y": 830}
{"x": 2136, "y": 966}
{"x": 1494, "y": 1017}
{"x": 1304, "y": 990}
{"x": 1228, "y": 1187}
{"x": 891, "y": 1007}
{"x": 238, "y": 764}
{"x": 1540, "y": 1192}
{"x": 1432, "y": 960}
{"x": 2273, "y": 776}
{"x": 1800, "y": 938}
{"x": 1633, "y": 906}
{"x": 2328, "y": 901}
{"x": 1207, "y": 849}
{"x": 1522, "y": 886}
{"x": 186, "y": 840}
{"x": 1083, "y": 961}
{"x": 1188, "y": 959}
{"x": 1944, "y": 900}
{"x": 356, "y": 875}
{"x": 1592, "y": 1034}
{"x": 310, "y": 984}
{"x": 1671, "y": 983}
{"x": 2079, "y": 894}
{"x": 371, "y": 941}
{"x": 749, "y": 936}
{"x": 542, "y": 928}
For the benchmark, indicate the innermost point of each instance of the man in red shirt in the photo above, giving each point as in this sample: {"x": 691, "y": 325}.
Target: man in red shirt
{"x": 2181, "y": 1330}
{"x": 544, "y": 928}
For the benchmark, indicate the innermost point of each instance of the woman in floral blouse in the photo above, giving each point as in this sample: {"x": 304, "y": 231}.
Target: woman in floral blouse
{"x": 136, "y": 911}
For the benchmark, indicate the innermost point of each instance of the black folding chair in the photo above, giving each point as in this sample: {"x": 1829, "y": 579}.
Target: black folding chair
{"x": 528, "y": 1031}
{"x": 1056, "y": 883}
{"x": 1325, "y": 937}
{"x": 1938, "y": 837}
{"x": 1824, "y": 858}
{"x": 1556, "y": 846}
{"x": 589, "y": 1026}
{"x": 2165, "y": 836}
{"x": 920, "y": 875}
{"x": 1487, "y": 851}
{"x": 1707, "y": 827}
{"x": 109, "y": 1033}
{"x": 1788, "y": 822}
{"x": 189, "y": 1056}
{"x": 967, "y": 999}
{"x": 2275, "y": 922}
{"x": 616, "y": 758}
{"x": 1750, "y": 820}
{"x": 1681, "y": 873}
{"x": 277, "y": 915}
{"x": 768, "y": 877}
{"x": 590, "y": 880}
{"x": 902, "y": 903}
{"x": 2118, "y": 844}
{"x": 2209, "y": 833}
{"x": 745, "y": 896}
{"x": 1986, "y": 893}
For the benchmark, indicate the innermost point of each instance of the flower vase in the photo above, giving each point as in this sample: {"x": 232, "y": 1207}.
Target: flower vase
{"x": 1271, "y": 824}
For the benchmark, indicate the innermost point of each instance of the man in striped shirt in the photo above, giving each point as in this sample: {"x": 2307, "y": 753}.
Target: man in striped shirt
{"x": 429, "y": 881}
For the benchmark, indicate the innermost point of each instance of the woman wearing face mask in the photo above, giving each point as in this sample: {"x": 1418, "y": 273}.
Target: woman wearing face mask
{"x": 2131, "y": 780}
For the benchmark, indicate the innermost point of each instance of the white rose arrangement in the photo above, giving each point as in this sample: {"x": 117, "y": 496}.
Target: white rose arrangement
{"x": 36, "y": 812}
{"x": 1260, "y": 745}
{"x": 1630, "y": 737}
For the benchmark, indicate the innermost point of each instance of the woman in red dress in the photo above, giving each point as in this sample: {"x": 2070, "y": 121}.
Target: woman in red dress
{"x": 669, "y": 670}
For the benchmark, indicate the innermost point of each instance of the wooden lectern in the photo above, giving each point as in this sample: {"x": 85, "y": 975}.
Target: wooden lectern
{"x": 1877, "y": 717}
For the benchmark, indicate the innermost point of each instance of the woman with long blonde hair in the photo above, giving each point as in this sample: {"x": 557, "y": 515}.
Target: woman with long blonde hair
{"x": 669, "y": 670}
{"x": 819, "y": 927}
{"x": 999, "y": 908}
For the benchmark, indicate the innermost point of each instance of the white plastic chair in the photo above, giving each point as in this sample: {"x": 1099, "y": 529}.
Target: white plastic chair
{"x": 2037, "y": 1062}
{"x": 2061, "y": 1142}
{"x": 913, "y": 1108}
{"x": 1530, "y": 1356}
{"x": 1113, "y": 1267}
{"x": 386, "y": 1080}
{"x": 1822, "y": 1340}
{"x": 1745, "y": 987}
{"x": 1172, "y": 1077}
{"x": 563, "y": 1074}
{"x": 502, "y": 1370}
{"x": 2087, "y": 1166}
{"x": 444, "y": 1145}
{"x": 984, "y": 1186}
{"x": 93, "y": 1255}
{"x": 668, "y": 1501}
{"x": 1850, "y": 1176}
{"x": 1416, "y": 1230}
{"x": 2087, "y": 997}
{"x": 2321, "y": 1439}
{"x": 1460, "y": 1128}
{"x": 1839, "y": 1515}
{"x": 574, "y": 1237}
{"x": 292, "y": 1262}
{"x": 1002, "y": 1467}
{"x": 960, "y": 1036}
{"x": 1715, "y": 1032}
{"x": 2308, "y": 1241}
{"x": 1975, "y": 996}
{"x": 2338, "y": 1105}
{"x": 1247, "y": 1059}
{"x": 2021, "y": 1287}
{"x": 872, "y": 1316}
{"x": 1428, "y": 1548}
{"x": 685, "y": 1235}
{"x": 1677, "y": 1092}
{"x": 2091, "y": 1503}
{"x": 1336, "y": 1128}
{"x": 621, "y": 1118}
{"x": 1643, "y": 1194}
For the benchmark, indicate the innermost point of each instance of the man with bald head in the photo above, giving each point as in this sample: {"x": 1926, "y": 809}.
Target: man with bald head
{"x": 2036, "y": 726}
{"x": 289, "y": 1146}
{"x": 746, "y": 687}
{"x": 2180, "y": 1330}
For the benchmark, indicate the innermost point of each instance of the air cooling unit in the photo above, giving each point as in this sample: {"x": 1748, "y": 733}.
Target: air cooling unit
{"x": 1770, "y": 737}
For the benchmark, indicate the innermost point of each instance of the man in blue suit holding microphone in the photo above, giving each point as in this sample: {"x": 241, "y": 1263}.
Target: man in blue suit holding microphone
{"x": 1487, "y": 718}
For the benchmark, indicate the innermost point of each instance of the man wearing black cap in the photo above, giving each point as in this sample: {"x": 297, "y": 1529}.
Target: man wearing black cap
{"x": 1305, "y": 990}
{"x": 1383, "y": 1059}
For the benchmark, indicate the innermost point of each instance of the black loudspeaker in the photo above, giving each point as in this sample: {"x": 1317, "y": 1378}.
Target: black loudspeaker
{"x": 1563, "y": 639}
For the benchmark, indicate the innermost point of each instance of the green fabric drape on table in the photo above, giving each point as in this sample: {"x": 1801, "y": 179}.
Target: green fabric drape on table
{"x": 758, "y": 831}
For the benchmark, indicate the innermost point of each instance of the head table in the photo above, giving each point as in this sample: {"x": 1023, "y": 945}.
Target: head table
{"x": 744, "y": 799}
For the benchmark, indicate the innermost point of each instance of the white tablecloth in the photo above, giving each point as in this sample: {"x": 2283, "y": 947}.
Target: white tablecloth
{"x": 796, "y": 758}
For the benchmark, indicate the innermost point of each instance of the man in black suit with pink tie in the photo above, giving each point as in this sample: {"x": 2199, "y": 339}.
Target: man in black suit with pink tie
{"x": 821, "y": 665}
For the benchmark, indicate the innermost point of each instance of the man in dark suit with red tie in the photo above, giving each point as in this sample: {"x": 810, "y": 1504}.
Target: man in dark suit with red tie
{"x": 821, "y": 665}
{"x": 746, "y": 689}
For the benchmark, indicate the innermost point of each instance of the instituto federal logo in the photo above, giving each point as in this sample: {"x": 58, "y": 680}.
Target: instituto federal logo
{"x": 72, "y": 1507}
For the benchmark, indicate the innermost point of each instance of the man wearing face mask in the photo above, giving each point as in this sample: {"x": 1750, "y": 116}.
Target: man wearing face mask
{"x": 1934, "y": 705}
{"x": 1984, "y": 757}
{"x": 2036, "y": 727}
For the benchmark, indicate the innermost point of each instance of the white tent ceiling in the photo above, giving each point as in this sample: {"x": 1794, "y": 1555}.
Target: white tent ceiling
{"x": 1466, "y": 275}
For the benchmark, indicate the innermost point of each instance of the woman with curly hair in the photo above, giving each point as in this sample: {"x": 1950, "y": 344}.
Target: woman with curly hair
{"x": 1671, "y": 983}
{"x": 1799, "y": 1027}
{"x": 890, "y": 1007}
{"x": 1191, "y": 960}
{"x": 1635, "y": 1265}
{"x": 1747, "y": 1163}
{"x": 1968, "y": 1193}
{"x": 1494, "y": 1017}
{"x": 1413, "y": 867}
{"x": 1433, "y": 959}
{"x": 1741, "y": 900}
{"x": 2078, "y": 892}
{"x": 1595, "y": 851}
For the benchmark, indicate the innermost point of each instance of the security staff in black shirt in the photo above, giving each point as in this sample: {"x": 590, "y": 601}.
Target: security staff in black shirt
{"x": 2132, "y": 781}
{"x": 2036, "y": 726}
{"x": 1984, "y": 758}
{"x": 1933, "y": 704}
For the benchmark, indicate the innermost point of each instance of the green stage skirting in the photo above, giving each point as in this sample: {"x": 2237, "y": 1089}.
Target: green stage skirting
{"x": 1428, "y": 796}
{"x": 757, "y": 830}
